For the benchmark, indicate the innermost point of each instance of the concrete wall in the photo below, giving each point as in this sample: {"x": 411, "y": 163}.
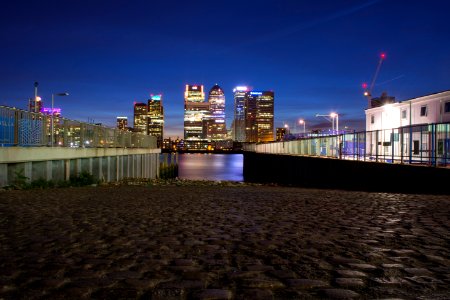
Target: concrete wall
{"x": 105, "y": 164}
{"x": 320, "y": 172}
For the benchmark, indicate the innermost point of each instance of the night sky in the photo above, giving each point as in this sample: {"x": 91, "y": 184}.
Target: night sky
{"x": 313, "y": 54}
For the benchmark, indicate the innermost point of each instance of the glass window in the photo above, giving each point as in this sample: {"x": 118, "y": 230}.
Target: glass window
{"x": 404, "y": 114}
{"x": 372, "y": 119}
{"x": 447, "y": 107}
{"x": 423, "y": 111}
{"x": 416, "y": 147}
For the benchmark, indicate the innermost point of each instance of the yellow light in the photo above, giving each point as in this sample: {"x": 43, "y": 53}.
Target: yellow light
{"x": 333, "y": 115}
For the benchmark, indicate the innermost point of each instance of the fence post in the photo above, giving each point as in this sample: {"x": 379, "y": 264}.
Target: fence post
{"x": 392, "y": 144}
{"x": 433, "y": 146}
{"x": 410, "y": 144}
{"x": 16, "y": 127}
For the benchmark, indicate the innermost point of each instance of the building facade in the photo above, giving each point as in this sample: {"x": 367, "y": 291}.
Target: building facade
{"x": 195, "y": 110}
{"x": 281, "y": 132}
{"x": 122, "y": 123}
{"x": 217, "y": 129}
{"x": 238, "y": 127}
{"x": 35, "y": 104}
{"x": 140, "y": 117}
{"x": 155, "y": 118}
{"x": 413, "y": 128}
{"x": 434, "y": 108}
{"x": 259, "y": 116}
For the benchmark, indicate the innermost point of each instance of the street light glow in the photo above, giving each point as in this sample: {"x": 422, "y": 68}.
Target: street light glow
{"x": 301, "y": 121}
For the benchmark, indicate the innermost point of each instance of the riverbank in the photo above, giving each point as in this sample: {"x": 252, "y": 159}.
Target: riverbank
{"x": 222, "y": 240}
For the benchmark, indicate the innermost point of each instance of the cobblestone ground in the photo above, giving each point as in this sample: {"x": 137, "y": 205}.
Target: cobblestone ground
{"x": 219, "y": 242}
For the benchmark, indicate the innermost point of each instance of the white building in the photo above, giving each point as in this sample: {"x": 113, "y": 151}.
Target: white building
{"x": 407, "y": 130}
{"x": 434, "y": 108}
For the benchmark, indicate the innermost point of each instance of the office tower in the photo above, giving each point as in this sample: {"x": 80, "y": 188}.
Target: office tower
{"x": 35, "y": 104}
{"x": 217, "y": 129}
{"x": 259, "y": 109}
{"x": 140, "y": 117}
{"x": 122, "y": 123}
{"x": 155, "y": 118}
{"x": 281, "y": 132}
{"x": 195, "y": 110}
{"x": 239, "y": 113}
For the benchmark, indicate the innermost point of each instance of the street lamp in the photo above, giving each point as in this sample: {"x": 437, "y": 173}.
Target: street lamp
{"x": 287, "y": 128}
{"x": 53, "y": 113}
{"x": 335, "y": 116}
{"x": 301, "y": 121}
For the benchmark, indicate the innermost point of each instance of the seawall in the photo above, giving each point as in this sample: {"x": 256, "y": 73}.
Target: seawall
{"x": 59, "y": 163}
{"x": 317, "y": 172}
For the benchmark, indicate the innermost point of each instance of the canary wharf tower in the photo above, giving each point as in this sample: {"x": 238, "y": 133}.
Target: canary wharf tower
{"x": 217, "y": 127}
{"x": 239, "y": 113}
{"x": 195, "y": 110}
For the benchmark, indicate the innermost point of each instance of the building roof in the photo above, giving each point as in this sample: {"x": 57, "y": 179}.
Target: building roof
{"x": 433, "y": 94}
{"x": 216, "y": 88}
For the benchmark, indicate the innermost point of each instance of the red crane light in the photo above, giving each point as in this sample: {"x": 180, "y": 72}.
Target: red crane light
{"x": 383, "y": 55}
{"x": 364, "y": 85}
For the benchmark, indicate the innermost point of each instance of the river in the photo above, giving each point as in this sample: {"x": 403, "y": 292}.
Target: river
{"x": 199, "y": 166}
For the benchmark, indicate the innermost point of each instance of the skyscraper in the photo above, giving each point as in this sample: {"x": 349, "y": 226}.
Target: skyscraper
{"x": 155, "y": 118}
{"x": 217, "y": 127}
{"x": 140, "y": 117}
{"x": 35, "y": 104}
{"x": 259, "y": 110}
{"x": 239, "y": 113}
{"x": 122, "y": 123}
{"x": 195, "y": 110}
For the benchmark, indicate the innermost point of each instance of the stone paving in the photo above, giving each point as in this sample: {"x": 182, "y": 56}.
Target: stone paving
{"x": 222, "y": 242}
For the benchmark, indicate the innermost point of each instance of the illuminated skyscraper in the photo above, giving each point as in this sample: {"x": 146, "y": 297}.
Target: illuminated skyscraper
{"x": 122, "y": 123}
{"x": 259, "y": 110}
{"x": 195, "y": 110}
{"x": 35, "y": 104}
{"x": 217, "y": 129}
{"x": 239, "y": 113}
{"x": 140, "y": 117}
{"x": 281, "y": 132}
{"x": 155, "y": 118}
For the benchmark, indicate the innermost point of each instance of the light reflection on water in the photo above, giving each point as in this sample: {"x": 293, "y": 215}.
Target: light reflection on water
{"x": 198, "y": 166}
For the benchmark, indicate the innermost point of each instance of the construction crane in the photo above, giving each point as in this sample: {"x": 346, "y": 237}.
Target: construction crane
{"x": 368, "y": 89}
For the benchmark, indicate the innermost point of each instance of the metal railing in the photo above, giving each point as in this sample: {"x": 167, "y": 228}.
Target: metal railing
{"x": 23, "y": 128}
{"x": 427, "y": 144}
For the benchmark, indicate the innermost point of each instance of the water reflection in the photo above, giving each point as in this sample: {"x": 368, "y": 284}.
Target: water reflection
{"x": 211, "y": 166}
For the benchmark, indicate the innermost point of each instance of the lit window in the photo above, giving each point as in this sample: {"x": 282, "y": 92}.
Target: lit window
{"x": 372, "y": 119}
{"x": 423, "y": 111}
{"x": 404, "y": 114}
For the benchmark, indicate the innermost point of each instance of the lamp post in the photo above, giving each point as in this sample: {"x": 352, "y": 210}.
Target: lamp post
{"x": 53, "y": 114}
{"x": 301, "y": 121}
{"x": 335, "y": 116}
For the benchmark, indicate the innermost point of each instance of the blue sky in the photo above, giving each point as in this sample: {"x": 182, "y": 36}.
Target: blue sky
{"x": 313, "y": 54}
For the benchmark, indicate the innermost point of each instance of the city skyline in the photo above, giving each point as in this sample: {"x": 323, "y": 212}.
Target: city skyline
{"x": 108, "y": 55}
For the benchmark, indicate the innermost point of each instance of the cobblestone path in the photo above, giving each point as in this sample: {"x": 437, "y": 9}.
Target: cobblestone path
{"x": 219, "y": 242}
